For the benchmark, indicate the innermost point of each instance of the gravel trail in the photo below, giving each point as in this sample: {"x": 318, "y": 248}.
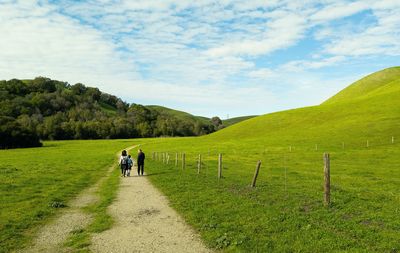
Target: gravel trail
{"x": 144, "y": 222}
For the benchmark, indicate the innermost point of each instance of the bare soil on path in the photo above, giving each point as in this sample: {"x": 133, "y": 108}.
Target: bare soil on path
{"x": 50, "y": 237}
{"x": 144, "y": 222}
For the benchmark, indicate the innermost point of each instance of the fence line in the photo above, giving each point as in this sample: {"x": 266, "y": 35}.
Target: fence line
{"x": 165, "y": 156}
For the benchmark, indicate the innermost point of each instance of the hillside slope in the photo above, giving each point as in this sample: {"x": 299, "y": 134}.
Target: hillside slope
{"x": 366, "y": 85}
{"x": 232, "y": 121}
{"x": 373, "y": 111}
{"x": 178, "y": 114}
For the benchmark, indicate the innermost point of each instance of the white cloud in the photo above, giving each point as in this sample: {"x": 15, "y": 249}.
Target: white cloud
{"x": 381, "y": 38}
{"x": 262, "y": 73}
{"x": 301, "y": 65}
{"x": 55, "y": 45}
{"x": 201, "y": 56}
{"x": 278, "y": 34}
{"x": 340, "y": 10}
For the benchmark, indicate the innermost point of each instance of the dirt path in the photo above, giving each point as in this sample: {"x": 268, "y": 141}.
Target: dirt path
{"x": 51, "y": 237}
{"x": 145, "y": 223}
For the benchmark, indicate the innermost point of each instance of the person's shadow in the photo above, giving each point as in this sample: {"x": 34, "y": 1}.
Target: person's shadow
{"x": 154, "y": 174}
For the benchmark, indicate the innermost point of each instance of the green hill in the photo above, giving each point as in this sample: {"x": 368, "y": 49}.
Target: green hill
{"x": 178, "y": 114}
{"x": 374, "y": 111}
{"x": 359, "y": 127}
{"x": 232, "y": 121}
{"x": 366, "y": 85}
{"x": 186, "y": 116}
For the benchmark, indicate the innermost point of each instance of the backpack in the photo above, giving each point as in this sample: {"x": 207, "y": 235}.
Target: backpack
{"x": 124, "y": 160}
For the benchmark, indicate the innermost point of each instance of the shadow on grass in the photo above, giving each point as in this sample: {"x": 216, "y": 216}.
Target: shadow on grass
{"x": 151, "y": 174}
{"x": 158, "y": 173}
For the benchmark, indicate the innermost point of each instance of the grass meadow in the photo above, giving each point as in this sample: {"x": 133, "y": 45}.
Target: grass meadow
{"x": 36, "y": 182}
{"x": 285, "y": 212}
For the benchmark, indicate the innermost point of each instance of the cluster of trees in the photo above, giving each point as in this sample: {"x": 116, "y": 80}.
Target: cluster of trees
{"x": 45, "y": 109}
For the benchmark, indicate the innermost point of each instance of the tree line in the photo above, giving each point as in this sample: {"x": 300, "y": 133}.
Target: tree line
{"x": 45, "y": 109}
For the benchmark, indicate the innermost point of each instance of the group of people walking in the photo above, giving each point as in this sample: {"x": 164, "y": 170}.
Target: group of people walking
{"x": 126, "y": 162}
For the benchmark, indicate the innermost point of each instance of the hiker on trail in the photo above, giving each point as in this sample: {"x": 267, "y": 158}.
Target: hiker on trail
{"x": 130, "y": 164}
{"x": 123, "y": 162}
{"x": 140, "y": 162}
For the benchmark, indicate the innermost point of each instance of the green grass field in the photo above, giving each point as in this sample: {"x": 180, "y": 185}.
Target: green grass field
{"x": 35, "y": 181}
{"x": 285, "y": 212}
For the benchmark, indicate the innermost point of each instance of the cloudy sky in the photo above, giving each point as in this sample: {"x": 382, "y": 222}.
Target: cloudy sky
{"x": 206, "y": 57}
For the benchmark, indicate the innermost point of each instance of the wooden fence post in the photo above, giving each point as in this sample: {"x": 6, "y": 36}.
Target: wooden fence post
{"x": 163, "y": 157}
{"x": 253, "y": 183}
{"x": 176, "y": 159}
{"x": 219, "y": 166}
{"x": 183, "y": 161}
{"x": 153, "y": 156}
{"x": 199, "y": 164}
{"x": 392, "y": 139}
{"x": 327, "y": 179}
{"x": 290, "y": 148}
{"x": 167, "y": 158}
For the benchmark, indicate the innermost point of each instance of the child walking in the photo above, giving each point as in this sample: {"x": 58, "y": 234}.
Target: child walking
{"x": 130, "y": 164}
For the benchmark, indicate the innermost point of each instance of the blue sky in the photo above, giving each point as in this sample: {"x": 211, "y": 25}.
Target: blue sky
{"x": 208, "y": 58}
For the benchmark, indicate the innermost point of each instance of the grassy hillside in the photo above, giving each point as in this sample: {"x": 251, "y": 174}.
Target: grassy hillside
{"x": 186, "y": 116}
{"x": 366, "y": 85}
{"x": 368, "y": 116}
{"x": 232, "y": 121}
{"x": 178, "y": 114}
{"x": 285, "y": 212}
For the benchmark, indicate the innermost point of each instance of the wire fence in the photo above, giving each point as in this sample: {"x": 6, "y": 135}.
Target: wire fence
{"x": 294, "y": 170}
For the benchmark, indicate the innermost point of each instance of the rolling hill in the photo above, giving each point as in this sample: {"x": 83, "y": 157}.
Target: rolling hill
{"x": 374, "y": 111}
{"x": 367, "y": 85}
{"x": 232, "y": 121}
{"x": 178, "y": 114}
{"x": 187, "y": 116}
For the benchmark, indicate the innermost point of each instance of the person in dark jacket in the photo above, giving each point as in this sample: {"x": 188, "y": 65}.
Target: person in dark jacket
{"x": 123, "y": 162}
{"x": 140, "y": 162}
